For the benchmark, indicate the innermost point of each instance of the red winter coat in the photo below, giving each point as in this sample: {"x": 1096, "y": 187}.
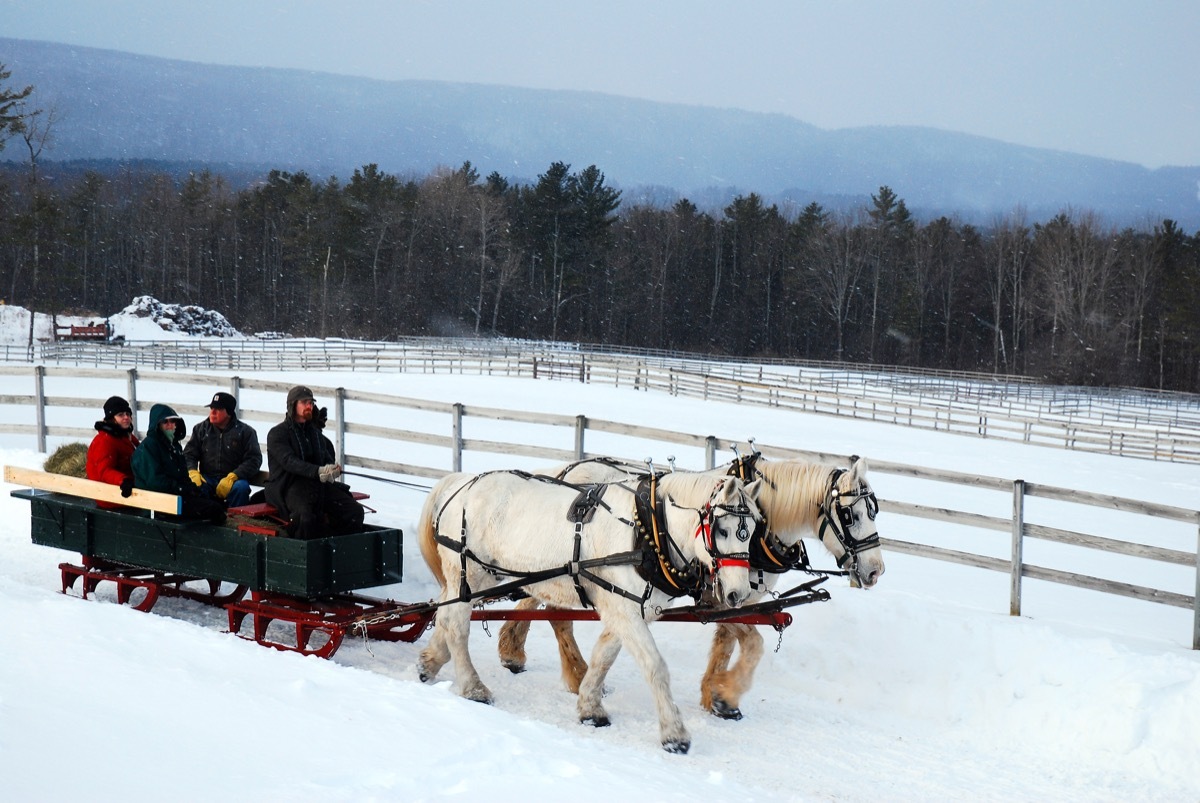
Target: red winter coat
{"x": 109, "y": 455}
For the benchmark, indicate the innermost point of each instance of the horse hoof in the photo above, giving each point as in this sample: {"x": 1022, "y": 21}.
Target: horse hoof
{"x": 601, "y": 722}
{"x": 676, "y": 746}
{"x": 723, "y": 710}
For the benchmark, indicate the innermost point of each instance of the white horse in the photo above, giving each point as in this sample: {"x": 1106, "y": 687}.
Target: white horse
{"x": 566, "y": 549}
{"x": 798, "y": 498}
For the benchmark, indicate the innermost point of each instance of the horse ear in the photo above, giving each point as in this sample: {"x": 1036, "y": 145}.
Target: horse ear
{"x": 754, "y": 489}
{"x": 858, "y": 469}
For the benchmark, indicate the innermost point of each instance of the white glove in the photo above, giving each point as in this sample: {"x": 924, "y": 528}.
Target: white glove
{"x": 329, "y": 472}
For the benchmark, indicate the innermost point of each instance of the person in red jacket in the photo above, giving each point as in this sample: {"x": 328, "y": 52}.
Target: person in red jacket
{"x": 108, "y": 457}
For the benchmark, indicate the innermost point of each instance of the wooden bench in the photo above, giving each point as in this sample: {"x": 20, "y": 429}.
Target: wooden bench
{"x": 268, "y": 512}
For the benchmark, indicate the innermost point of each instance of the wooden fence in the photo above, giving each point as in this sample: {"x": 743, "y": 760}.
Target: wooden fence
{"x": 568, "y": 437}
{"x": 1124, "y": 422}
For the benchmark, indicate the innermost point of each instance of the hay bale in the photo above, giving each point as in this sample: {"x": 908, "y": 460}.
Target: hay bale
{"x": 69, "y": 459}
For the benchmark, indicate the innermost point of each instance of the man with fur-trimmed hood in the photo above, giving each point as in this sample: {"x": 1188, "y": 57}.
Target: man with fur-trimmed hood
{"x": 303, "y": 473}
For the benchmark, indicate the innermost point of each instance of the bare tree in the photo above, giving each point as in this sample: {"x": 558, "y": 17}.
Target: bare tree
{"x": 1008, "y": 252}
{"x": 836, "y": 255}
{"x": 1076, "y": 262}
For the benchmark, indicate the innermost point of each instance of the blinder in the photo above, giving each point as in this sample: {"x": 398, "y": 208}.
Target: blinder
{"x": 840, "y": 516}
{"x": 845, "y": 512}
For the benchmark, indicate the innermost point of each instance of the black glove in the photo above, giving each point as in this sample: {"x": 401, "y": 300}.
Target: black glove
{"x": 127, "y": 486}
{"x": 321, "y": 417}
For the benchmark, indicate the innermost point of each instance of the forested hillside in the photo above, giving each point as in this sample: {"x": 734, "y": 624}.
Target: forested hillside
{"x": 377, "y": 256}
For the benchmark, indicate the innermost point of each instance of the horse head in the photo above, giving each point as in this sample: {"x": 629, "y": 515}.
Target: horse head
{"x": 727, "y": 522}
{"x": 848, "y": 528}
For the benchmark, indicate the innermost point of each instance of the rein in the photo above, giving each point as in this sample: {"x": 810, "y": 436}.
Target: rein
{"x": 413, "y": 485}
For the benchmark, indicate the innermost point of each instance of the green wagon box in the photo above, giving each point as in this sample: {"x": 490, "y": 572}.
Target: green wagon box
{"x": 307, "y": 569}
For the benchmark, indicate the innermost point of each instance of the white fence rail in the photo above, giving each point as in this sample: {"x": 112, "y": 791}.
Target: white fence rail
{"x": 1125, "y": 422}
{"x": 363, "y": 442}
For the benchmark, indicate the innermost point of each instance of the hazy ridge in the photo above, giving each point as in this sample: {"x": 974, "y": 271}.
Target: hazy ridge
{"x": 120, "y": 106}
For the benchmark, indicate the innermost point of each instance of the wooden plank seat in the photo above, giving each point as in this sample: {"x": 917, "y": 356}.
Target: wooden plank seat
{"x": 265, "y": 510}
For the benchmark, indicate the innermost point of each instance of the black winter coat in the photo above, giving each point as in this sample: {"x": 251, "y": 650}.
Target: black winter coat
{"x": 216, "y": 452}
{"x": 295, "y": 452}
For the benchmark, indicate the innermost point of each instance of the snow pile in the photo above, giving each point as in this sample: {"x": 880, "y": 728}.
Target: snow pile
{"x": 185, "y": 319}
{"x": 146, "y": 318}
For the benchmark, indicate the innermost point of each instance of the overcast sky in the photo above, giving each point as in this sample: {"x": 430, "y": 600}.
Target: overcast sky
{"x": 1110, "y": 78}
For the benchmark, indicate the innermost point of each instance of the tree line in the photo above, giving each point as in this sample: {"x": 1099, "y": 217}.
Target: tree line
{"x": 379, "y": 256}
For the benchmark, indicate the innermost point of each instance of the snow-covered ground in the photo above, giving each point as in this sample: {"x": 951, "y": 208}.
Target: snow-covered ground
{"x": 920, "y": 689}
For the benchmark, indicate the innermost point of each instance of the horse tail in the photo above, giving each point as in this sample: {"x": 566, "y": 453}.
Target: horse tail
{"x": 427, "y": 534}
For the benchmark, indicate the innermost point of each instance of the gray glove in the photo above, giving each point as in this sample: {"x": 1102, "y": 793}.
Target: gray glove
{"x": 329, "y": 472}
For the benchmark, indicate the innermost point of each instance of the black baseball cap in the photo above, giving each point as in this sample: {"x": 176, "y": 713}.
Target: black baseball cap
{"x": 223, "y": 401}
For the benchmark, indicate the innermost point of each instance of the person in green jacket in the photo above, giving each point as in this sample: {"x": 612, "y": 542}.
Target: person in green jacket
{"x": 159, "y": 465}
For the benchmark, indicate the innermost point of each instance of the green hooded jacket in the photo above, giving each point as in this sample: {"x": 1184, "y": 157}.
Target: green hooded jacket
{"x": 158, "y": 462}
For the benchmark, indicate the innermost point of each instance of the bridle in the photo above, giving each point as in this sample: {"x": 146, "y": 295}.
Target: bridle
{"x": 708, "y": 516}
{"x": 838, "y": 517}
{"x": 694, "y": 578}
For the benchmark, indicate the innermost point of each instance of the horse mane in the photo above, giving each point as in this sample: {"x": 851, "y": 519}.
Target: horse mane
{"x": 688, "y": 489}
{"x": 792, "y": 493}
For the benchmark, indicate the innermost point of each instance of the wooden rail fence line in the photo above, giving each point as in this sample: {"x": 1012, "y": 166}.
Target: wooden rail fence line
{"x": 376, "y": 441}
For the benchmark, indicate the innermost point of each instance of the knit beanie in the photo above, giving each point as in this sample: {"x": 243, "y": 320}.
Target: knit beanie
{"x": 114, "y": 405}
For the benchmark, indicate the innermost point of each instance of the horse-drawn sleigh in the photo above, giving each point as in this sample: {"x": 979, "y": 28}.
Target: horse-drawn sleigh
{"x": 702, "y": 535}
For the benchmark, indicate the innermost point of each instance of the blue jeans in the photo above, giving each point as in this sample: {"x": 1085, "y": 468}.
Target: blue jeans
{"x": 239, "y": 494}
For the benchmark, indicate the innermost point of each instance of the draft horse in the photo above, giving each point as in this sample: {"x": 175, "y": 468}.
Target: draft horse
{"x": 798, "y": 498}
{"x": 624, "y": 549}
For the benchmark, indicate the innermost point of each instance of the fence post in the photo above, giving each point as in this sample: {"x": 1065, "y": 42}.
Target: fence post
{"x": 39, "y": 390}
{"x": 1196, "y": 598}
{"x": 339, "y": 409}
{"x": 456, "y": 437}
{"x": 580, "y": 428}
{"x": 235, "y": 390}
{"x": 1018, "y": 545}
{"x": 710, "y": 453}
{"x": 131, "y": 391}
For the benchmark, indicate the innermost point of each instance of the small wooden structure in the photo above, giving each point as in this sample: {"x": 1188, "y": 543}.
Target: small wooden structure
{"x": 93, "y": 331}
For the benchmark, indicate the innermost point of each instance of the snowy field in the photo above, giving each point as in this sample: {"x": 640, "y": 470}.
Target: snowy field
{"x": 922, "y": 688}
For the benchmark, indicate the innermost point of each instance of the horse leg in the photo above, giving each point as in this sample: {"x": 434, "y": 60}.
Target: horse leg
{"x": 718, "y": 663}
{"x": 591, "y": 688}
{"x": 722, "y": 690}
{"x": 435, "y": 655}
{"x": 456, "y": 620}
{"x": 511, "y": 644}
{"x": 569, "y": 655}
{"x": 636, "y": 636}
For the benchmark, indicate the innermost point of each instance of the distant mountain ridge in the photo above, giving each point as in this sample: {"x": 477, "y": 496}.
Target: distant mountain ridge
{"x": 121, "y": 106}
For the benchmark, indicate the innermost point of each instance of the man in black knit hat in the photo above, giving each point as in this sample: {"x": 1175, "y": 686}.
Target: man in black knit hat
{"x": 303, "y": 474}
